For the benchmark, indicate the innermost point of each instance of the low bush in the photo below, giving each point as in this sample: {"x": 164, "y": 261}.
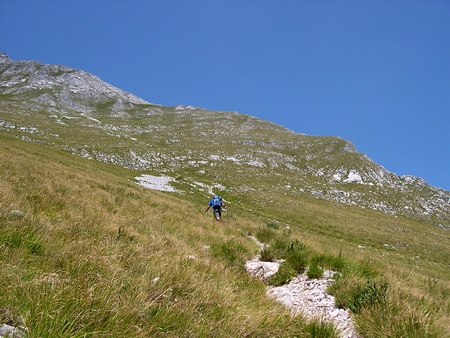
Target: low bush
{"x": 283, "y": 276}
{"x": 328, "y": 261}
{"x": 231, "y": 252}
{"x": 268, "y": 255}
{"x": 297, "y": 256}
{"x": 356, "y": 294}
{"x": 314, "y": 271}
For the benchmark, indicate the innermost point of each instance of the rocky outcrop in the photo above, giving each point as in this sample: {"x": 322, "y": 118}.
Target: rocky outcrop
{"x": 60, "y": 88}
{"x": 4, "y": 58}
{"x": 11, "y": 326}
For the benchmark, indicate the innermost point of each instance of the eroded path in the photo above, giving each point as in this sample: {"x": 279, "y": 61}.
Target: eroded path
{"x": 305, "y": 296}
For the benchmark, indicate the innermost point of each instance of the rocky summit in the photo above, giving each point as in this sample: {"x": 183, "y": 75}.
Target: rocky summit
{"x": 253, "y": 159}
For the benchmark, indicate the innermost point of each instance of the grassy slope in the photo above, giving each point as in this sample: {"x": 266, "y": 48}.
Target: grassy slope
{"x": 69, "y": 271}
{"x": 97, "y": 255}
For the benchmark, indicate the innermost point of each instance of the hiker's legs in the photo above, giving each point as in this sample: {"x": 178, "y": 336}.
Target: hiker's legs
{"x": 217, "y": 213}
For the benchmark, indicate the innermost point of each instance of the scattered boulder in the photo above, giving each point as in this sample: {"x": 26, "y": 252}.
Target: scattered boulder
{"x": 18, "y": 213}
{"x": 12, "y": 332}
{"x": 262, "y": 270}
{"x": 11, "y": 326}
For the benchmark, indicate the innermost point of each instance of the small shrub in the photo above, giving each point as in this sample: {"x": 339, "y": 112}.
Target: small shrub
{"x": 297, "y": 256}
{"x": 314, "y": 271}
{"x": 265, "y": 235}
{"x": 283, "y": 276}
{"x": 272, "y": 225}
{"x": 281, "y": 244}
{"x": 320, "y": 329}
{"x": 356, "y": 296}
{"x": 268, "y": 255}
{"x": 231, "y": 252}
{"x": 368, "y": 295}
{"x": 293, "y": 252}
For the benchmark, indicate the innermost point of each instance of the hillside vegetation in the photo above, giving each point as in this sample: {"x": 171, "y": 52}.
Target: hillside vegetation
{"x": 87, "y": 252}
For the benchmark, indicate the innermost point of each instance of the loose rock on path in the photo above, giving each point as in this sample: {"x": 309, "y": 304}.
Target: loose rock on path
{"x": 308, "y": 297}
{"x": 305, "y": 296}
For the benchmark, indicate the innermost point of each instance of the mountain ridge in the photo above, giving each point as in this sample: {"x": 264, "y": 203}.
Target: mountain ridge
{"x": 48, "y": 103}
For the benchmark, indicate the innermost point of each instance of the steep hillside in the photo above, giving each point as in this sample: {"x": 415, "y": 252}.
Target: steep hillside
{"x": 72, "y": 110}
{"x": 86, "y": 251}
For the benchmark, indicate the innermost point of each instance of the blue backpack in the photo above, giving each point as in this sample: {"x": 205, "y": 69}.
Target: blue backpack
{"x": 217, "y": 201}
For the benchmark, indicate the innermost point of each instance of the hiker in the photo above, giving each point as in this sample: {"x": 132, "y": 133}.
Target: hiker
{"x": 217, "y": 204}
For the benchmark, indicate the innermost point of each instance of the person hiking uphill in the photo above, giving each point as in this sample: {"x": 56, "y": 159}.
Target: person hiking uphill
{"x": 216, "y": 204}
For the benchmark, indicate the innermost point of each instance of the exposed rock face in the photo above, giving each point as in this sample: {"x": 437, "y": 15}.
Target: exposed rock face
{"x": 4, "y": 58}
{"x": 61, "y": 88}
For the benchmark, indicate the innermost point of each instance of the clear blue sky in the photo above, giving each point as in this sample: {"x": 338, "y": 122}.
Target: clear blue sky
{"x": 376, "y": 73}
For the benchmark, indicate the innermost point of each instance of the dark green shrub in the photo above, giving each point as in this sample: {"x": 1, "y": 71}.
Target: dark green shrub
{"x": 283, "y": 276}
{"x": 293, "y": 252}
{"x": 314, "y": 271}
{"x": 298, "y": 260}
{"x": 281, "y": 244}
{"x": 368, "y": 295}
{"x": 268, "y": 255}
{"x": 356, "y": 296}
{"x": 297, "y": 256}
{"x": 272, "y": 225}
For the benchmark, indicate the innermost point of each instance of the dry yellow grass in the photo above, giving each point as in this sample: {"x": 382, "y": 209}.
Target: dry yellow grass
{"x": 93, "y": 254}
